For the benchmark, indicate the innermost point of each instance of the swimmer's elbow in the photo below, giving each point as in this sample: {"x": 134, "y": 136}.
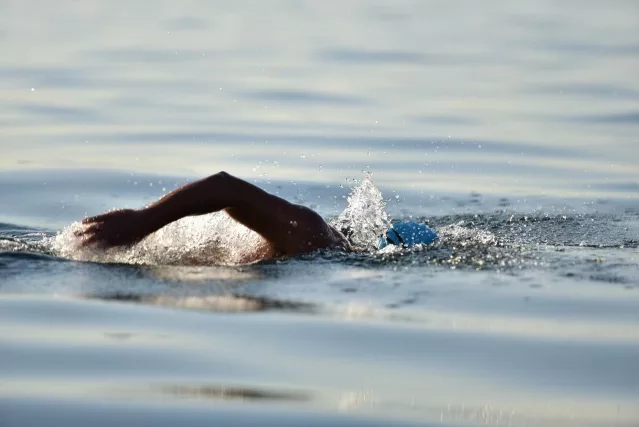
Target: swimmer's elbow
{"x": 224, "y": 174}
{"x": 219, "y": 177}
{"x": 220, "y": 180}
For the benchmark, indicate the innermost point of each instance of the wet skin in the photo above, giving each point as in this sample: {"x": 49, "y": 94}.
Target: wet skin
{"x": 287, "y": 228}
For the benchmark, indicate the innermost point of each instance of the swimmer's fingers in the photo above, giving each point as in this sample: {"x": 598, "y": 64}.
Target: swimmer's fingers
{"x": 101, "y": 217}
{"x": 93, "y": 219}
{"x": 100, "y": 240}
{"x": 91, "y": 229}
{"x": 116, "y": 228}
{"x": 91, "y": 241}
{"x": 90, "y": 235}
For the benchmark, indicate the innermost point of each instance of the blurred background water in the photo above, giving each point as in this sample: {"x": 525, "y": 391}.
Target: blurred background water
{"x": 498, "y": 97}
{"x": 511, "y": 126}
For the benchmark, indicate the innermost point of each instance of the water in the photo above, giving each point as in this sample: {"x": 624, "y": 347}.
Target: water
{"x": 509, "y": 127}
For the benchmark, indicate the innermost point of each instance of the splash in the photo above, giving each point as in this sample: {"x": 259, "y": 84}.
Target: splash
{"x": 365, "y": 217}
{"x": 23, "y": 242}
{"x": 203, "y": 240}
{"x": 460, "y": 234}
{"x": 216, "y": 239}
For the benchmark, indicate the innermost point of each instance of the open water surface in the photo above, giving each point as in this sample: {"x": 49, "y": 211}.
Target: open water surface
{"x": 509, "y": 127}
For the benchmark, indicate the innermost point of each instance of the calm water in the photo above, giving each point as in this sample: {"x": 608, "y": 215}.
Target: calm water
{"x": 509, "y": 127}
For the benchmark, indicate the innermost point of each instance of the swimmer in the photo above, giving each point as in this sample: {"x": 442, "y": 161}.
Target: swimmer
{"x": 287, "y": 228}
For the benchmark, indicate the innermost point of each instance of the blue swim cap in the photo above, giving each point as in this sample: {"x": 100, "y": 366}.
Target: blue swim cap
{"x": 408, "y": 233}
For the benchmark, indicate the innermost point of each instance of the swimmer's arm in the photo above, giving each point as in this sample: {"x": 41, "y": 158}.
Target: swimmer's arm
{"x": 288, "y": 227}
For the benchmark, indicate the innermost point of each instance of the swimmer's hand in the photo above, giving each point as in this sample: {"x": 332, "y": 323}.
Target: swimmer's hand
{"x": 121, "y": 227}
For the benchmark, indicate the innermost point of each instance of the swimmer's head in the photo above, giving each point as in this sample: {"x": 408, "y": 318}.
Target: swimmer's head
{"x": 407, "y": 234}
